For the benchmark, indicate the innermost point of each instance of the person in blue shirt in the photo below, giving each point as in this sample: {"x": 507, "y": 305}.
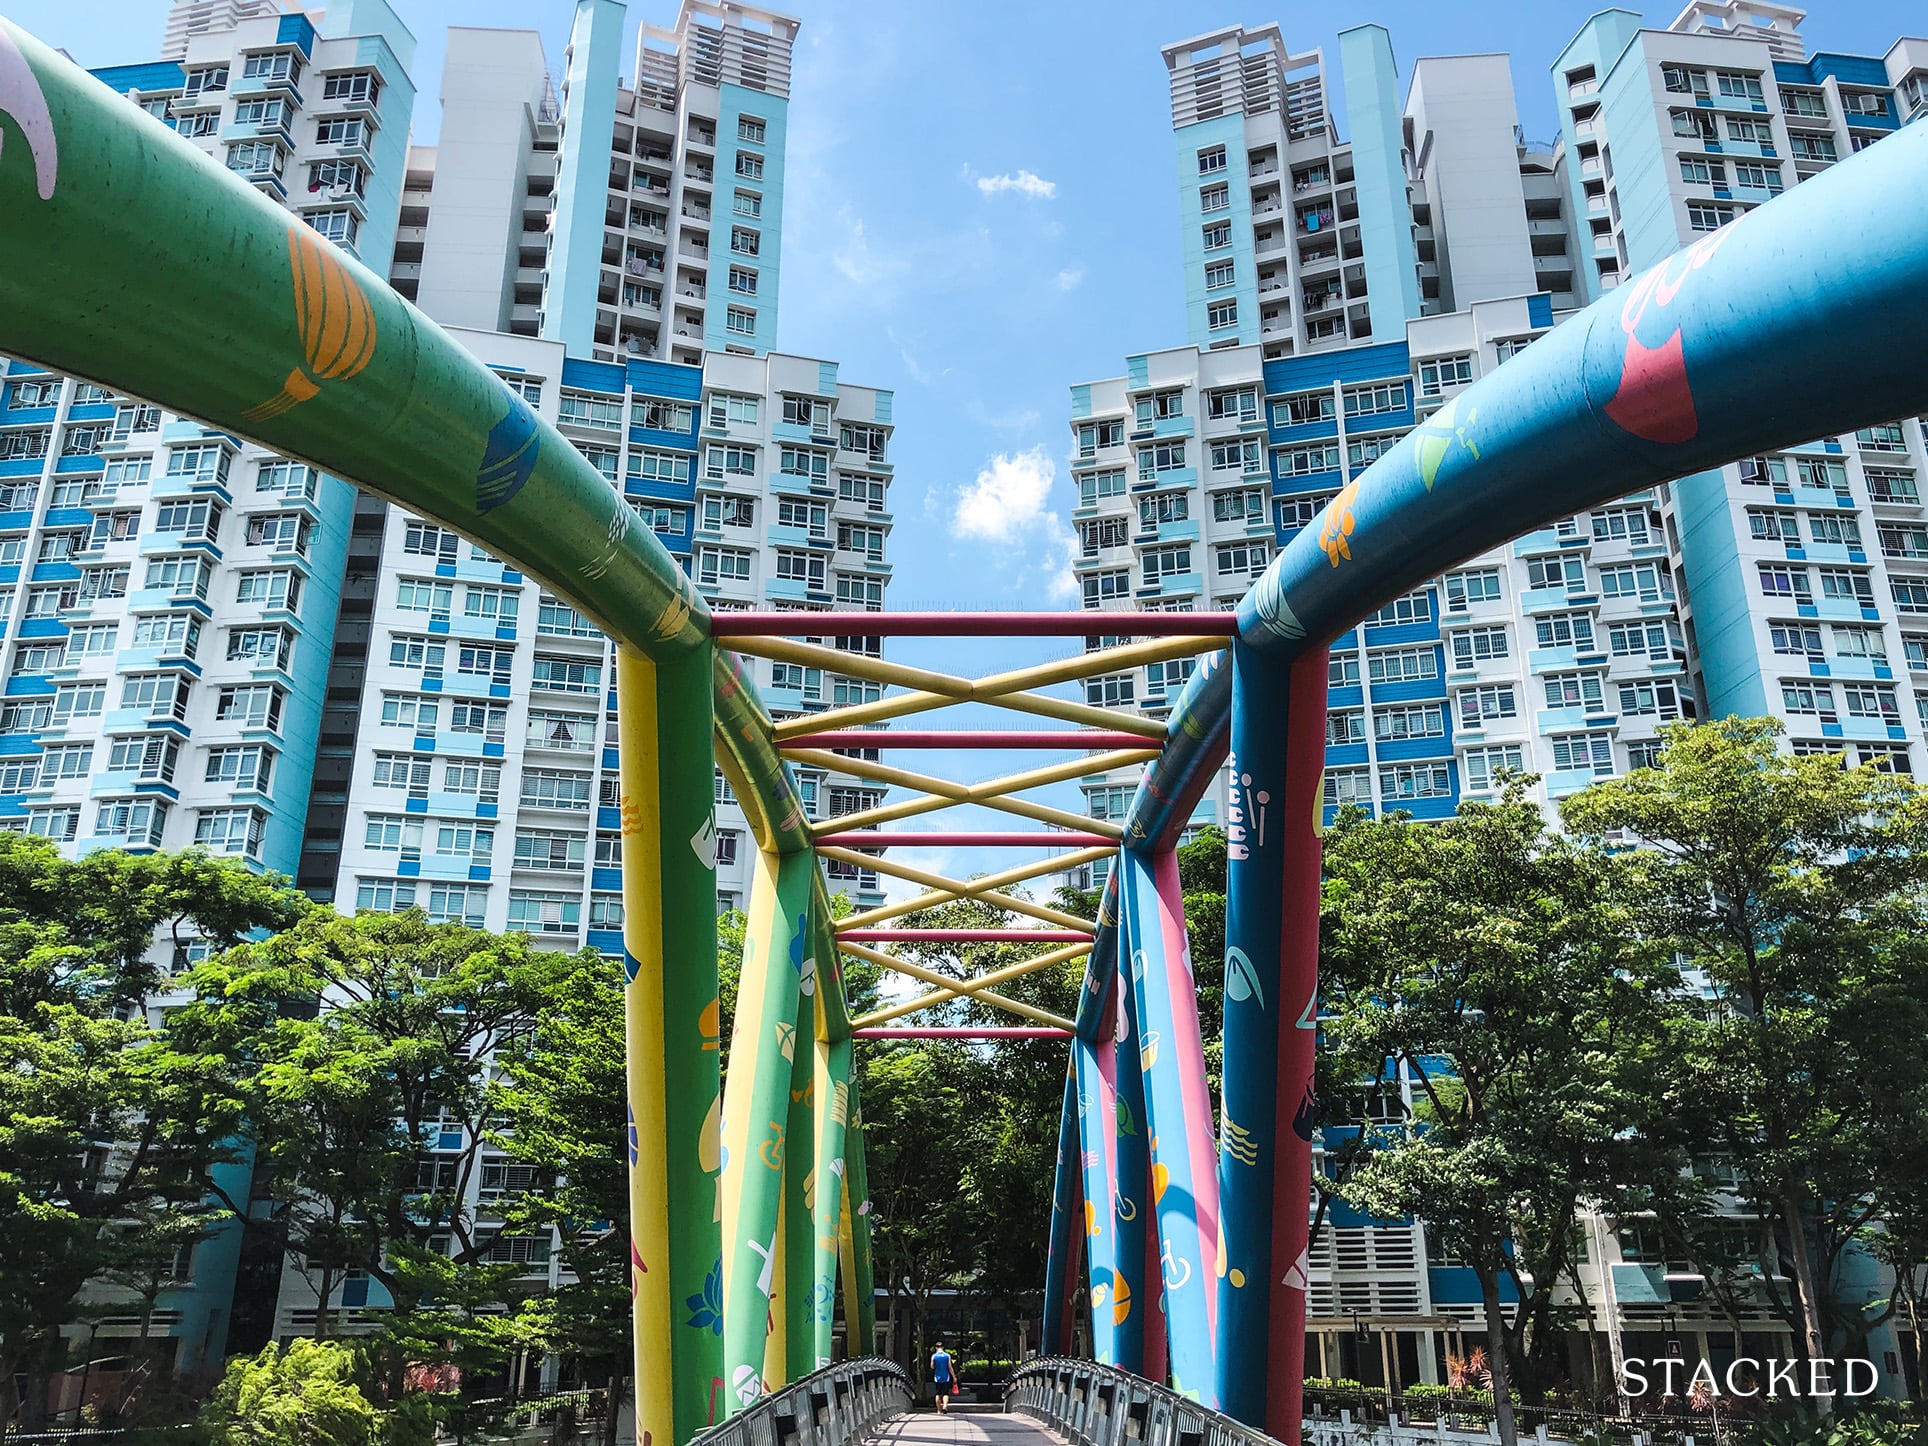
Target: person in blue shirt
{"x": 943, "y": 1376}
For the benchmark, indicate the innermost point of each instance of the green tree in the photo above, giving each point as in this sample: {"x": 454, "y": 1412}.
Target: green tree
{"x": 303, "y": 1394}
{"x": 108, "y": 1135}
{"x": 358, "y": 1055}
{"x": 1792, "y": 885}
{"x": 1498, "y": 965}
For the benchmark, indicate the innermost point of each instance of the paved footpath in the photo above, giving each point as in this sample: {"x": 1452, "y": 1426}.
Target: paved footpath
{"x": 960, "y": 1428}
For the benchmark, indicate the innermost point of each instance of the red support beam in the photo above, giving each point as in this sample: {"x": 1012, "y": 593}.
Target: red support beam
{"x": 986, "y": 1031}
{"x": 1033, "y": 838}
{"x": 1090, "y": 739}
{"x": 972, "y": 625}
{"x": 966, "y": 936}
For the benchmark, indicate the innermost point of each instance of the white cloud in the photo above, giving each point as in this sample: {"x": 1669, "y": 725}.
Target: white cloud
{"x": 860, "y": 264}
{"x": 1070, "y": 277}
{"x": 1007, "y": 500}
{"x": 1025, "y": 183}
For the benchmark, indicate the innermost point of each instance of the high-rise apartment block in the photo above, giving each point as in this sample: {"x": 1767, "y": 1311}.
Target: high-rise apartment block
{"x": 667, "y": 237}
{"x": 1803, "y": 574}
{"x": 1341, "y": 288}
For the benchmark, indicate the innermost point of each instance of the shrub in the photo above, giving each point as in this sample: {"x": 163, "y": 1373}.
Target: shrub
{"x": 303, "y": 1394}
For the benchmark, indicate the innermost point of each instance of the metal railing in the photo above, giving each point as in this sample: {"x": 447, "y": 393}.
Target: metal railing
{"x": 1094, "y": 1405}
{"x": 831, "y": 1408}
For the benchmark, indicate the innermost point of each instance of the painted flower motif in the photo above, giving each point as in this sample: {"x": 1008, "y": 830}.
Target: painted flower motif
{"x": 22, "y": 101}
{"x": 706, "y": 1306}
{"x": 1336, "y": 525}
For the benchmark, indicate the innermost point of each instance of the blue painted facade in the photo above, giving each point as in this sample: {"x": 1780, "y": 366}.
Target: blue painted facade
{"x": 1236, "y": 214}
{"x": 582, "y": 185}
{"x": 754, "y": 168}
{"x": 1374, "y": 119}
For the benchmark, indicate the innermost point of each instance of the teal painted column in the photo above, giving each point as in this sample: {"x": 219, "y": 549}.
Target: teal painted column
{"x": 1374, "y": 117}
{"x": 582, "y": 187}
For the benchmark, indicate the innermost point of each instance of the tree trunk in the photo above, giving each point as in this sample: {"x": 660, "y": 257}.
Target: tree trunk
{"x": 612, "y": 1410}
{"x": 1814, "y": 1340}
{"x": 1496, "y": 1357}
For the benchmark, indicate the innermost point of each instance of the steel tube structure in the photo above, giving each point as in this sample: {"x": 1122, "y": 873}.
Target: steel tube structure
{"x": 115, "y": 229}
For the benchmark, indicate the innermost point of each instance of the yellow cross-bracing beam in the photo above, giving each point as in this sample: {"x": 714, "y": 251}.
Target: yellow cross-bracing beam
{"x": 1008, "y": 690}
{"x": 974, "y": 988}
{"x": 951, "y": 990}
{"x": 940, "y": 793}
{"x": 947, "y": 890}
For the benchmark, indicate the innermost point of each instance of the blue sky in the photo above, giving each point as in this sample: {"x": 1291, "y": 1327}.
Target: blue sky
{"x": 981, "y": 210}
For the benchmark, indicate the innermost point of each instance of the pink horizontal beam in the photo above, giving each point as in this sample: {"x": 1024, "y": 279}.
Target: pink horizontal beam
{"x": 972, "y": 625}
{"x": 989, "y": 1031}
{"x": 1033, "y": 838}
{"x": 966, "y": 936}
{"x": 1094, "y": 738}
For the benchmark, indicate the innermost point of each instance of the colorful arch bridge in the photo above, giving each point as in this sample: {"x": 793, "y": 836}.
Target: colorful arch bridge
{"x": 1181, "y": 1230}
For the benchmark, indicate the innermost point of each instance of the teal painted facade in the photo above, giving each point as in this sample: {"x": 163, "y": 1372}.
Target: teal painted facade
{"x": 1717, "y": 581}
{"x": 1228, "y": 131}
{"x": 582, "y": 184}
{"x": 1374, "y": 120}
{"x": 1599, "y": 44}
{"x": 765, "y": 158}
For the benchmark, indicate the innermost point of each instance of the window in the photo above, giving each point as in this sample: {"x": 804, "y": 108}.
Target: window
{"x": 1759, "y": 177}
{"x": 1843, "y": 585}
{"x": 340, "y": 130}
{"x": 341, "y": 227}
{"x": 867, "y": 540}
{"x": 1644, "y": 580}
{"x": 1345, "y": 725}
{"x": 137, "y": 820}
{"x": 21, "y": 442}
{"x": 1649, "y": 699}
{"x": 1479, "y": 584}
{"x": 555, "y": 617}
{"x": 38, "y": 657}
{"x": 1219, "y": 275}
{"x": 1485, "y": 765}
{"x": 572, "y": 732}
{"x": 1221, "y": 314}
{"x": 426, "y": 654}
{"x": 807, "y": 568}
{"x": 1243, "y": 559}
{"x": 743, "y": 283}
{"x": 740, "y": 320}
{"x": 1583, "y": 753}
{"x": 1480, "y": 705}
{"x": 1403, "y": 782}
{"x": 747, "y": 203}
{"x": 1472, "y": 646}
{"x": 1167, "y": 677}
{"x": 722, "y": 564}
{"x": 586, "y": 409}
{"x": 231, "y": 830}
{"x": 1885, "y": 437}
{"x": 484, "y": 782}
{"x": 562, "y": 675}
{"x": 1859, "y": 643}
{"x": 1413, "y": 607}
{"x": 1808, "y": 699}
{"x": 1217, "y": 235}
{"x": 338, "y": 177}
{"x": 495, "y": 604}
{"x": 1690, "y": 125}
{"x": 1241, "y": 505}
{"x": 359, "y": 85}
{"x": 1362, "y": 452}
{"x": 1348, "y": 786}
{"x": 551, "y": 849}
{"x": 1342, "y": 670}
{"x": 1890, "y": 486}
{"x": 1700, "y": 171}
{"x": 73, "y": 760}
{"x": 745, "y": 242}
{"x": 480, "y": 660}
{"x": 1305, "y": 461}
{"x": 536, "y": 913}
{"x": 1094, "y": 486}
{"x": 1211, "y": 160}
{"x": 1161, "y": 457}
{"x": 1436, "y": 374}
{"x": 1164, "y": 562}
{"x": 749, "y": 165}
{"x": 93, "y": 640}
{"x": 1102, "y": 586}
{"x": 1623, "y": 524}
{"x": 1772, "y": 526}
{"x": 273, "y": 588}
{"x": 1214, "y": 198}
{"x": 424, "y": 539}
{"x": 1706, "y": 216}
{"x": 1865, "y": 700}
{"x": 255, "y": 706}
{"x": 165, "y": 632}
{"x": 158, "y": 695}
{"x": 722, "y": 461}
{"x": 1423, "y": 721}
{"x": 732, "y": 411}
{"x": 864, "y": 592}
{"x": 419, "y": 595}
{"x": 416, "y": 712}
{"x": 256, "y": 158}
{"x": 553, "y": 788}
{"x": 1574, "y": 690}
{"x": 1910, "y": 594}
{"x": 1373, "y": 400}
{"x": 75, "y": 700}
{"x": 402, "y": 770}
{"x": 1116, "y": 690}
{"x": 1402, "y": 665}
